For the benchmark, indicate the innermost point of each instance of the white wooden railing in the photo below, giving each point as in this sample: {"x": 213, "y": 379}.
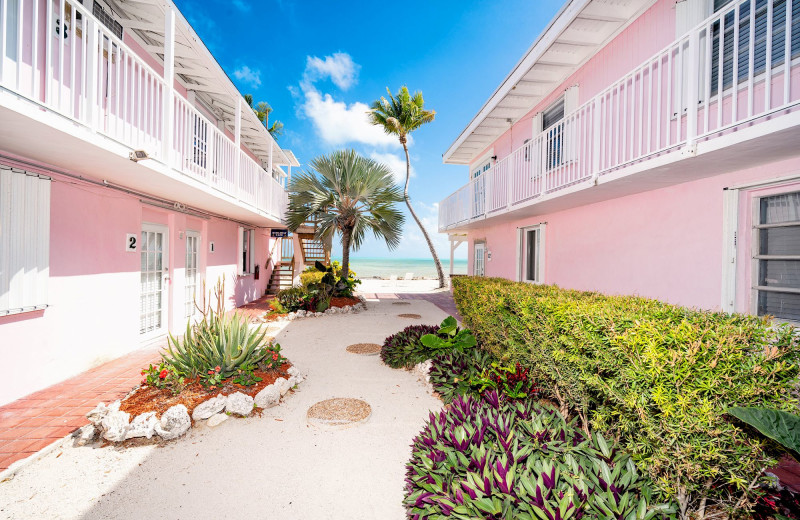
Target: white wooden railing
{"x": 649, "y": 112}
{"x": 81, "y": 70}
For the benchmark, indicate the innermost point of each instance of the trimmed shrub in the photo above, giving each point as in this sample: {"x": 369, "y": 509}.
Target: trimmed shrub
{"x": 309, "y": 277}
{"x": 658, "y": 377}
{"x": 405, "y": 349}
{"x": 488, "y": 458}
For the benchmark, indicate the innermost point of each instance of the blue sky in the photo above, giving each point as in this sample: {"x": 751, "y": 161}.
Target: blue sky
{"x": 320, "y": 64}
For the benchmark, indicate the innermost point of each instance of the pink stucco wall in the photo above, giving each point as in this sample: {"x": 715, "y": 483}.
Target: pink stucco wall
{"x": 664, "y": 243}
{"x": 94, "y": 284}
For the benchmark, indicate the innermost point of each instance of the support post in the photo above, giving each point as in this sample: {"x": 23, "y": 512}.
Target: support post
{"x": 693, "y": 91}
{"x": 91, "y": 81}
{"x": 596, "y": 130}
{"x": 168, "y": 112}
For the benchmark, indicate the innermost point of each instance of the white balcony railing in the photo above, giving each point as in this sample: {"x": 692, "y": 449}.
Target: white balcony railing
{"x": 81, "y": 70}
{"x": 648, "y": 111}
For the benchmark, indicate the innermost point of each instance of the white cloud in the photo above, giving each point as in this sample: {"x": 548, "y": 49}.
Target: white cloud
{"x": 248, "y": 76}
{"x": 241, "y": 5}
{"x": 339, "y": 67}
{"x": 338, "y": 123}
{"x": 395, "y": 163}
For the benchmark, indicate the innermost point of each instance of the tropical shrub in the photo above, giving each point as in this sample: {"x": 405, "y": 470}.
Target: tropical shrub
{"x": 449, "y": 337}
{"x": 490, "y": 458}
{"x": 293, "y": 299}
{"x": 454, "y": 373}
{"x": 782, "y": 427}
{"x": 309, "y": 277}
{"x": 474, "y": 372}
{"x": 655, "y": 376}
{"x": 404, "y": 349}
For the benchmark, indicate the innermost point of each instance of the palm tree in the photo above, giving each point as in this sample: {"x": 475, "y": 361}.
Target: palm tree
{"x": 400, "y": 115}
{"x": 263, "y": 110}
{"x": 350, "y": 195}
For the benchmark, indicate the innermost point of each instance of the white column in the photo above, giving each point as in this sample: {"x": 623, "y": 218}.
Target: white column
{"x": 168, "y": 112}
{"x": 693, "y": 90}
{"x": 269, "y": 158}
{"x": 452, "y": 255}
{"x": 237, "y": 135}
{"x": 289, "y": 176}
{"x": 91, "y": 80}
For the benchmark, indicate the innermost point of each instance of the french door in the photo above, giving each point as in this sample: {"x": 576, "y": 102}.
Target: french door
{"x": 191, "y": 278}
{"x": 479, "y": 265}
{"x": 154, "y": 294}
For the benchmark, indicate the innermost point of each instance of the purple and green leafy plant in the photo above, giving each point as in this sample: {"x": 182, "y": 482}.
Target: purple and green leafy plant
{"x": 493, "y": 458}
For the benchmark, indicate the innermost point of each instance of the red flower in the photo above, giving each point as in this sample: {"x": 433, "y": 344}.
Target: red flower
{"x": 211, "y": 372}
{"x": 163, "y": 374}
{"x": 143, "y": 371}
{"x": 217, "y": 368}
{"x": 275, "y": 356}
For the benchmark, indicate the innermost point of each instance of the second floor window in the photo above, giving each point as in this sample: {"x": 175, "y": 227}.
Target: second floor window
{"x": 200, "y": 141}
{"x": 729, "y": 32}
{"x": 554, "y": 134}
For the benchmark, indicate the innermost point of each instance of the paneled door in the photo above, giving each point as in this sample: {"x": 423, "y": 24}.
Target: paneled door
{"x": 154, "y": 294}
{"x": 192, "y": 277}
{"x": 478, "y": 266}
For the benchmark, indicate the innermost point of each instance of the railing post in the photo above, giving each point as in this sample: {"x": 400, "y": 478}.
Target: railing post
{"x": 596, "y": 130}
{"x": 693, "y": 91}
{"x": 237, "y": 157}
{"x": 168, "y": 112}
{"x": 91, "y": 87}
{"x": 487, "y": 190}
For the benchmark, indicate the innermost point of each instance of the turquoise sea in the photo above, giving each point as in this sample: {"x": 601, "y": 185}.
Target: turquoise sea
{"x": 386, "y": 267}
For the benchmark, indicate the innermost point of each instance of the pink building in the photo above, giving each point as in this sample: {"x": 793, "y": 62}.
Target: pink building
{"x": 646, "y": 147}
{"x": 131, "y": 171}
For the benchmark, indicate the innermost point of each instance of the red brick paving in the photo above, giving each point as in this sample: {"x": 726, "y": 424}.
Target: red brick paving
{"x": 34, "y": 422}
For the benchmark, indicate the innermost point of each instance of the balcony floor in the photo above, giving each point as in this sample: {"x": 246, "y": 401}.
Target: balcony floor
{"x": 33, "y": 133}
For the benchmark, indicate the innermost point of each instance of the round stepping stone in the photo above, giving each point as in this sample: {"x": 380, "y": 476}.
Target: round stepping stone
{"x": 414, "y": 316}
{"x": 401, "y": 303}
{"x": 339, "y": 413}
{"x": 365, "y": 349}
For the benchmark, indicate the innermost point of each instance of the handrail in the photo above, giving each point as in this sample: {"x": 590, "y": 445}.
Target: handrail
{"x": 679, "y": 95}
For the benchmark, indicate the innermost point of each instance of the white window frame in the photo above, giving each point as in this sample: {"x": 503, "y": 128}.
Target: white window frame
{"x": 24, "y": 241}
{"x": 479, "y": 168}
{"x": 755, "y": 245}
{"x": 244, "y": 263}
{"x": 522, "y": 256}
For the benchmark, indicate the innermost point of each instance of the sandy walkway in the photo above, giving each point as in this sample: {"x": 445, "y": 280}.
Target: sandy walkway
{"x": 273, "y": 467}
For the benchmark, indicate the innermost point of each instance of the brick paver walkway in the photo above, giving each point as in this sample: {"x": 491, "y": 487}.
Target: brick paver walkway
{"x": 29, "y": 424}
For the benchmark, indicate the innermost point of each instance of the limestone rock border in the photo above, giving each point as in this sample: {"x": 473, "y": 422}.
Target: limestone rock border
{"x": 349, "y": 309}
{"x": 113, "y": 425}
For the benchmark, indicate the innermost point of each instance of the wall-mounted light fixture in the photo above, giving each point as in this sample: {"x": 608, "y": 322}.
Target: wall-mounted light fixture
{"x": 138, "y": 155}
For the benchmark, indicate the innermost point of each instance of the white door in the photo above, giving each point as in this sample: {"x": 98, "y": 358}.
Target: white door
{"x": 154, "y": 294}
{"x": 478, "y": 267}
{"x": 192, "y": 275}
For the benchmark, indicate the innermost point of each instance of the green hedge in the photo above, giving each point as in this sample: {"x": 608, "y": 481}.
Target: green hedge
{"x": 657, "y": 377}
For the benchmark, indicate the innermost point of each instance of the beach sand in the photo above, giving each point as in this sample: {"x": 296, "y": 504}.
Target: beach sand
{"x": 373, "y": 286}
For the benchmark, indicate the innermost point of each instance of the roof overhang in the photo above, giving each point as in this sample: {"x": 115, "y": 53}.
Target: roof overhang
{"x": 579, "y": 30}
{"x": 196, "y": 69}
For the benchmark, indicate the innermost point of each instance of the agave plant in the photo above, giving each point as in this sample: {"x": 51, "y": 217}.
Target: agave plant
{"x": 491, "y": 458}
{"x": 218, "y": 339}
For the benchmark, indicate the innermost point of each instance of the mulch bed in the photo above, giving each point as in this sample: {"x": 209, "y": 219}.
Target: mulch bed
{"x": 342, "y": 301}
{"x": 151, "y": 399}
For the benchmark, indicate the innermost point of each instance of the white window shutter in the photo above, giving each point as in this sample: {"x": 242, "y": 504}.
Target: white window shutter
{"x": 570, "y": 100}
{"x": 251, "y": 248}
{"x": 24, "y": 241}
{"x": 536, "y": 124}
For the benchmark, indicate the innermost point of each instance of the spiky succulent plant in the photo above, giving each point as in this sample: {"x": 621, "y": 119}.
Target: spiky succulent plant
{"x": 404, "y": 349}
{"x": 491, "y": 458}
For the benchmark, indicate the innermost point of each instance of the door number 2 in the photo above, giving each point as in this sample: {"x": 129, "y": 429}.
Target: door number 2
{"x": 131, "y": 242}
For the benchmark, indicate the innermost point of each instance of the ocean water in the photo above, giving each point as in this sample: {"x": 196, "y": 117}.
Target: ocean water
{"x": 386, "y": 267}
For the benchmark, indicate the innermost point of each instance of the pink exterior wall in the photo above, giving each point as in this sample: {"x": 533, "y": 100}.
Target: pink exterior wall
{"x": 664, "y": 243}
{"x": 649, "y": 33}
{"x": 94, "y": 284}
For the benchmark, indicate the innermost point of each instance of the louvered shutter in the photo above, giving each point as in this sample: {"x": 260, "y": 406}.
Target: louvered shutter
{"x": 24, "y": 240}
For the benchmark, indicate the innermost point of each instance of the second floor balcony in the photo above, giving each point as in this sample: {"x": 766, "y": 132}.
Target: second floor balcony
{"x": 723, "y": 96}
{"x": 143, "y": 81}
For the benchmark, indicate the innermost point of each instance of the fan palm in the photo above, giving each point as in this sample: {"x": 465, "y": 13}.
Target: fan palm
{"x": 400, "y": 115}
{"x": 350, "y": 195}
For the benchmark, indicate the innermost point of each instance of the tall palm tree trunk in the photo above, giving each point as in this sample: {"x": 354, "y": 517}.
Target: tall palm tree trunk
{"x": 436, "y": 261}
{"x": 346, "y": 238}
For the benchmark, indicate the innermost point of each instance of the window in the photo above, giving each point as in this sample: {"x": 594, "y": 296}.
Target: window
{"x": 200, "y": 141}
{"x": 777, "y": 258}
{"x": 531, "y": 258}
{"x": 482, "y": 168}
{"x": 246, "y": 248}
{"x": 24, "y": 241}
{"x": 760, "y": 45}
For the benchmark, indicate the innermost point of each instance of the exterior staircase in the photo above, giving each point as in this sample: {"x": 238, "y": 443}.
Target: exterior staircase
{"x": 313, "y": 250}
{"x": 283, "y": 272}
